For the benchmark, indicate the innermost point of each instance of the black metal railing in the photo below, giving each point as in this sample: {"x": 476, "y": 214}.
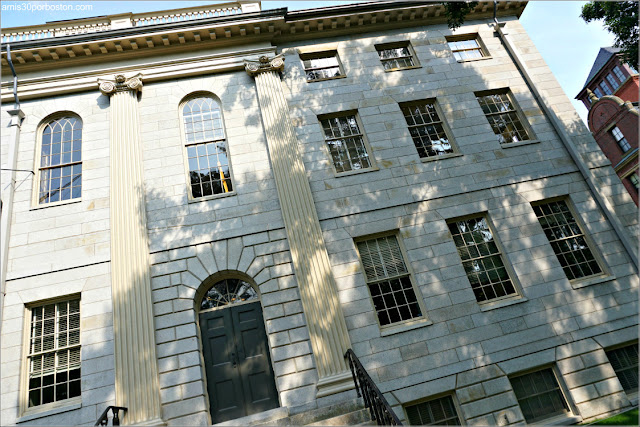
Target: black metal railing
{"x": 115, "y": 419}
{"x": 378, "y": 406}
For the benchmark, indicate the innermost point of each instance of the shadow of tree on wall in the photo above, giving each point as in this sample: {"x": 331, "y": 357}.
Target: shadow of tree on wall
{"x": 422, "y": 189}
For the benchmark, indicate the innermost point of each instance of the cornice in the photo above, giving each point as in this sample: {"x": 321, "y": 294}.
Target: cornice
{"x": 270, "y": 26}
{"x": 152, "y": 72}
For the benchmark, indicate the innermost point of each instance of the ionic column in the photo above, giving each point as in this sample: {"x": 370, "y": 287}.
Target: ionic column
{"x": 135, "y": 349}
{"x": 318, "y": 292}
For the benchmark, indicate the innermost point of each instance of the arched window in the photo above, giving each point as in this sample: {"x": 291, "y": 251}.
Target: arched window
{"x": 60, "y": 169}
{"x": 226, "y": 292}
{"x": 207, "y": 157}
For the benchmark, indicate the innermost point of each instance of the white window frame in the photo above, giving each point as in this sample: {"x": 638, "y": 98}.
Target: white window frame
{"x": 396, "y": 45}
{"x": 586, "y": 280}
{"x": 495, "y": 302}
{"x": 306, "y": 56}
{"x": 482, "y": 48}
{"x": 531, "y": 137}
{"x": 443, "y": 121}
{"x": 37, "y": 169}
{"x": 372, "y": 161}
{"x": 23, "y": 400}
{"x": 185, "y": 144}
{"x": 402, "y": 325}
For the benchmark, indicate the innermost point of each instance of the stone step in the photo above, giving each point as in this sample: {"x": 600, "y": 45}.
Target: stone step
{"x": 263, "y": 418}
{"x": 349, "y": 419}
{"x": 316, "y": 415}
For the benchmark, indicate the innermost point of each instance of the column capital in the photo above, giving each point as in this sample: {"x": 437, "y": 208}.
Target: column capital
{"x": 120, "y": 83}
{"x": 264, "y": 64}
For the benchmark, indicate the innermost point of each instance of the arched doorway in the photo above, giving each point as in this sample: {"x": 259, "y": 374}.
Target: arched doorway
{"x": 240, "y": 378}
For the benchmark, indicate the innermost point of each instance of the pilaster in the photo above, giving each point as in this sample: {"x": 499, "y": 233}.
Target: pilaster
{"x": 135, "y": 356}
{"x": 318, "y": 291}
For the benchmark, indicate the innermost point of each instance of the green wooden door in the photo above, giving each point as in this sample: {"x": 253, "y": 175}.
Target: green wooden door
{"x": 240, "y": 378}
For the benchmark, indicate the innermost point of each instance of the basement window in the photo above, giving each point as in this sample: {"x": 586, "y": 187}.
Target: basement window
{"x": 435, "y": 412}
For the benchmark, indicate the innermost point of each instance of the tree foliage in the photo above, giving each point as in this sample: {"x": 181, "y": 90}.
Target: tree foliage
{"x": 621, "y": 19}
{"x": 456, "y": 11}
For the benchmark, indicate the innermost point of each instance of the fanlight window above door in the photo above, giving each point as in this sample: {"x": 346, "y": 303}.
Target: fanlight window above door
{"x": 226, "y": 292}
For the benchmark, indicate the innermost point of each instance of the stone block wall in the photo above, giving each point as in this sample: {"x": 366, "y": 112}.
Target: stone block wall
{"x": 93, "y": 285}
{"x": 178, "y": 274}
{"x": 58, "y": 251}
{"x": 414, "y": 199}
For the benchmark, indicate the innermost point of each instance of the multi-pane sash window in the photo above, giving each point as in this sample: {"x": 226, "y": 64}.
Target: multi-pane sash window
{"x": 539, "y": 395}
{"x": 346, "y": 143}
{"x": 605, "y": 87}
{"x": 502, "y": 114}
{"x": 396, "y": 55}
{"x": 635, "y": 180}
{"x": 207, "y": 156}
{"x": 614, "y": 83}
{"x": 567, "y": 239}
{"x": 620, "y": 139}
{"x": 389, "y": 280}
{"x": 466, "y": 49}
{"x": 437, "y": 412}
{"x": 625, "y": 364}
{"x": 54, "y": 353}
{"x": 426, "y": 129}
{"x": 481, "y": 259}
{"x": 618, "y": 72}
{"x": 61, "y": 160}
{"x": 321, "y": 65}
{"x": 598, "y": 92}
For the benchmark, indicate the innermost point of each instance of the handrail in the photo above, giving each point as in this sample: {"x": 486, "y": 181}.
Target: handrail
{"x": 374, "y": 400}
{"x": 115, "y": 420}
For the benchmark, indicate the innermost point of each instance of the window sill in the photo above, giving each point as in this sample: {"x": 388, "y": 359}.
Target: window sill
{"x": 396, "y": 329}
{"x": 583, "y": 283}
{"x": 519, "y": 143}
{"x": 39, "y": 412}
{"x": 390, "y": 70}
{"x": 212, "y": 197}
{"x": 502, "y": 303}
{"x": 343, "y": 76}
{"x": 560, "y": 420}
{"x": 62, "y": 203}
{"x": 436, "y": 158}
{"x": 475, "y": 59}
{"x": 355, "y": 172}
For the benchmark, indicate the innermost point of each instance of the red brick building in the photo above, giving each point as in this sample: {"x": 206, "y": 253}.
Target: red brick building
{"x": 611, "y": 96}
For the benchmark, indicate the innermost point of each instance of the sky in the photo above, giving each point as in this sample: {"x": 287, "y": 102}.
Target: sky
{"x": 568, "y": 45}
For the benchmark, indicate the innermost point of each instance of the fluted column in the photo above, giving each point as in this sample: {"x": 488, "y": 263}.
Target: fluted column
{"x": 135, "y": 356}
{"x": 318, "y": 292}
